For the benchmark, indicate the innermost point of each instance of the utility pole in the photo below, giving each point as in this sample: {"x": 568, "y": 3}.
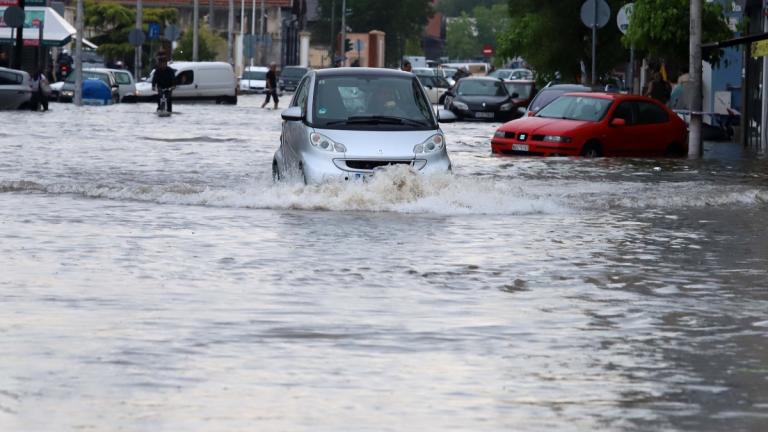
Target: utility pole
{"x": 343, "y": 33}
{"x": 333, "y": 32}
{"x": 694, "y": 136}
{"x": 195, "y": 30}
{"x": 79, "y": 55}
{"x": 263, "y": 46}
{"x": 594, "y": 44}
{"x": 241, "y": 53}
{"x": 17, "y": 49}
{"x": 253, "y": 27}
{"x": 763, "y": 130}
{"x": 137, "y": 50}
{"x": 230, "y": 29}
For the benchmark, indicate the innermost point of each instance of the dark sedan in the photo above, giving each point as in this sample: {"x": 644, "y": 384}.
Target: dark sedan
{"x": 481, "y": 98}
{"x": 290, "y": 77}
{"x": 552, "y": 92}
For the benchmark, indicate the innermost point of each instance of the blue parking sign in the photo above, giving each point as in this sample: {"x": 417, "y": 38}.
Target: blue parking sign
{"x": 154, "y": 31}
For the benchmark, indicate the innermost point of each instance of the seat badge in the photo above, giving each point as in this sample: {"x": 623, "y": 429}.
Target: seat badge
{"x": 381, "y": 152}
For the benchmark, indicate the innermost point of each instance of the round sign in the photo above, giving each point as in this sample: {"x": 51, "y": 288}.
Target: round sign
{"x": 14, "y": 16}
{"x": 172, "y": 32}
{"x": 622, "y": 18}
{"x": 136, "y": 37}
{"x": 588, "y": 13}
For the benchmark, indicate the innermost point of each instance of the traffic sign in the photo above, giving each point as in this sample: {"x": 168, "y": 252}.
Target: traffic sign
{"x": 172, "y": 32}
{"x": 588, "y": 13}
{"x": 153, "y": 32}
{"x": 622, "y": 18}
{"x": 760, "y": 48}
{"x": 359, "y": 45}
{"x": 136, "y": 37}
{"x": 487, "y": 50}
{"x": 14, "y": 16}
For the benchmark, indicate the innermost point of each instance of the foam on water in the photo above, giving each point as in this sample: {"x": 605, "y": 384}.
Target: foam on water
{"x": 399, "y": 189}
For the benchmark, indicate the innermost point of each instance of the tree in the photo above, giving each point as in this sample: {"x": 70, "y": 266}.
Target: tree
{"x": 401, "y": 20}
{"x": 209, "y": 45}
{"x": 461, "y": 39}
{"x": 549, "y": 35}
{"x": 661, "y": 29}
{"x": 110, "y": 24}
{"x": 454, "y": 8}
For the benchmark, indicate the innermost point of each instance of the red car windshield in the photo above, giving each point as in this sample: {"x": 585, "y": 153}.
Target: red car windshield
{"x": 580, "y": 108}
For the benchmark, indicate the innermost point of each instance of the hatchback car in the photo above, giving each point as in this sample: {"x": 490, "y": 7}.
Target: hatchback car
{"x": 552, "y": 92}
{"x": 435, "y": 86}
{"x": 15, "y": 89}
{"x": 347, "y": 123}
{"x": 290, "y": 77}
{"x": 254, "y": 80}
{"x": 481, "y": 98}
{"x": 596, "y": 124}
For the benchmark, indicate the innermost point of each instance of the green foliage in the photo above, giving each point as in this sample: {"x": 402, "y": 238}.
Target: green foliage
{"x": 461, "y": 41}
{"x": 661, "y": 28}
{"x": 550, "y": 36}
{"x": 110, "y": 24}
{"x": 401, "y": 20}
{"x": 209, "y": 44}
{"x": 413, "y": 47}
{"x": 454, "y": 8}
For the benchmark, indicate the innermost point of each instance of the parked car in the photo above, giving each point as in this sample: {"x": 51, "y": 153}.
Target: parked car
{"x": 254, "y": 80}
{"x": 552, "y": 92}
{"x": 56, "y": 90}
{"x": 15, "y": 89}
{"x": 67, "y": 92}
{"x": 196, "y": 81}
{"x": 125, "y": 82}
{"x": 522, "y": 91}
{"x": 480, "y": 98}
{"x": 346, "y": 123}
{"x": 435, "y": 87}
{"x": 512, "y": 74}
{"x": 595, "y": 124}
{"x": 290, "y": 77}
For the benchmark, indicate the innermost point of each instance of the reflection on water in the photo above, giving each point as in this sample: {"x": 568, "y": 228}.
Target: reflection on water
{"x": 155, "y": 279}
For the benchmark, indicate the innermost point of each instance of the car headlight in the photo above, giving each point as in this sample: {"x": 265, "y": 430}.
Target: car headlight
{"x": 460, "y": 105}
{"x": 499, "y": 133}
{"x": 68, "y": 93}
{"x": 322, "y": 142}
{"x": 434, "y": 143}
{"x": 556, "y": 138}
{"x": 507, "y": 106}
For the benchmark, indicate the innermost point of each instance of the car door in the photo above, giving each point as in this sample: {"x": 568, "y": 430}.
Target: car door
{"x": 12, "y": 91}
{"x": 620, "y": 140}
{"x": 186, "y": 87}
{"x": 650, "y": 136}
{"x": 294, "y": 132}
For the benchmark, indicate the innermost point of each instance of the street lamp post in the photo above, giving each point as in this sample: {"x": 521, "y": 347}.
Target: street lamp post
{"x": 79, "y": 55}
{"x": 694, "y": 135}
{"x": 195, "y": 30}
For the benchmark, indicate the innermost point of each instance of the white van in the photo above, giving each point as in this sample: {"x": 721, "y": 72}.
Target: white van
{"x": 205, "y": 81}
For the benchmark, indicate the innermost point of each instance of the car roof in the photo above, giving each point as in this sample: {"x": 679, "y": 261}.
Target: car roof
{"x": 362, "y": 71}
{"x": 481, "y": 78}
{"x": 520, "y": 81}
{"x": 569, "y": 87}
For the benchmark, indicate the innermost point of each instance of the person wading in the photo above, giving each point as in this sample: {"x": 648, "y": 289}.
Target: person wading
{"x": 271, "y": 85}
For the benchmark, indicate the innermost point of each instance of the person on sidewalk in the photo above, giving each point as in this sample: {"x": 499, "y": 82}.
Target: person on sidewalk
{"x": 271, "y": 85}
{"x": 659, "y": 89}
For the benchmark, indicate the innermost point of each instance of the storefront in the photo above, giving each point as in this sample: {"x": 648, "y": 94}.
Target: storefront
{"x": 56, "y": 32}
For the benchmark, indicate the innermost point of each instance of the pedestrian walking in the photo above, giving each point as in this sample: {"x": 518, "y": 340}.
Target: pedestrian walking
{"x": 41, "y": 89}
{"x": 271, "y": 85}
{"x": 659, "y": 89}
{"x": 407, "y": 66}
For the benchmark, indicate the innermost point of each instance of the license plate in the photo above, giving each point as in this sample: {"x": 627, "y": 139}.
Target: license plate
{"x": 520, "y": 147}
{"x": 484, "y": 115}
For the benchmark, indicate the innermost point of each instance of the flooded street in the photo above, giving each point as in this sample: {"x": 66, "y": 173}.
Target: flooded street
{"x": 152, "y": 277}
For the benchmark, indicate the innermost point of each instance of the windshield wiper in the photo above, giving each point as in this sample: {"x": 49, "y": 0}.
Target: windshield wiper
{"x": 378, "y": 120}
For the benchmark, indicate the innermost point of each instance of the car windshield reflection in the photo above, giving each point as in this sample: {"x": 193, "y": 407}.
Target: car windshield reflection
{"x": 365, "y": 103}
{"x": 580, "y": 108}
{"x": 481, "y": 88}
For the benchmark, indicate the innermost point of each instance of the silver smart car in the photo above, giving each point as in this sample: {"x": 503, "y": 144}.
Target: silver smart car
{"x": 346, "y": 123}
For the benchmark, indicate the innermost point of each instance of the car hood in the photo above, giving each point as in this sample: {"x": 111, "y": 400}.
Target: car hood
{"x": 481, "y": 99}
{"x": 255, "y": 83}
{"x": 378, "y": 144}
{"x": 545, "y": 126}
{"x": 144, "y": 88}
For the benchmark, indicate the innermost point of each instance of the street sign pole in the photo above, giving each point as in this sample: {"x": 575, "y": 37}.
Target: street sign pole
{"x": 343, "y": 33}
{"x": 137, "y": 51}
{"x": 262, "y": 46}
{"x": 230, "y": 30}
{"x": 195, "y": 30}
{"x": 19, "y": 40}
{"x": 594, "y": 45}
{"x": 79, "y": 55}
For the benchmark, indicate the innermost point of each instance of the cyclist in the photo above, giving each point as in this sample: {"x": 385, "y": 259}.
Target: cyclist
{"x": 163, "y": 81}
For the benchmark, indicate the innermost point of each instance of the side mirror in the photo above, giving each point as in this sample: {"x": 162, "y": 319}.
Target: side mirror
{"x": 618, "y": 122}
{"x": 446, "y": 116}
{"x": 292, "y": 114}
{"x": 531, "y": 113}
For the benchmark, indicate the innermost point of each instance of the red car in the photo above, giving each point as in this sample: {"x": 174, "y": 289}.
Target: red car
{"x": 595, "y": 124}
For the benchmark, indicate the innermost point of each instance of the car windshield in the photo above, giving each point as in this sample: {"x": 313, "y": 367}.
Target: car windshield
{"x": 294, "y": 72}
{"x": 580, "y": 108}
{"x": 433, "y": 81}
{"x": 523, "y": 90}
{"x": 371, "y": 103}
{"x": 254, "y": 75}
{"x": 123, "y": 77}
{"x": 481, "y": 87}
{"x": 90, "y": 75}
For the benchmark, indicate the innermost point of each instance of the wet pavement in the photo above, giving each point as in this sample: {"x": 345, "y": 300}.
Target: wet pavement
{"x": 152, "y": 277}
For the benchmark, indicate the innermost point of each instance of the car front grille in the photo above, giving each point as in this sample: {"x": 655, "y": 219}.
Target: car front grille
{"x": 369, "y": 165}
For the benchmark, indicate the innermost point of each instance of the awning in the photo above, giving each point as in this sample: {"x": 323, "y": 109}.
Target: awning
{"x": 56, "y": 30}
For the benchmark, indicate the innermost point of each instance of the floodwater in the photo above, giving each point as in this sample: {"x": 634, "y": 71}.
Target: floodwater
{"x": 153, "y": 278}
